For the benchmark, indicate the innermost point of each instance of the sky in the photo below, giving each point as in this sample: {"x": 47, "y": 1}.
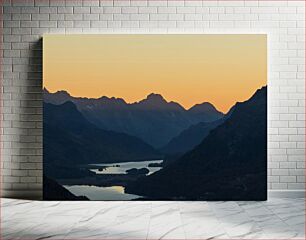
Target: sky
{"x": 186, "y": 68}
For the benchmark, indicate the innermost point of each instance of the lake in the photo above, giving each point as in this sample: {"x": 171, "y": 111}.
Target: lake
{"x": 121, "y": 167}
{"x": 113, "y": 192}
{"x": 101, "y": 193}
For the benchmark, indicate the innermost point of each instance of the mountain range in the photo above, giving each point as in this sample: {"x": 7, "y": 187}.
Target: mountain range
{"x": 153, "y": 119}
{"x": 229, "y": 164}
{"x": 70, "y": 140}
{"x": 192, "y": 136}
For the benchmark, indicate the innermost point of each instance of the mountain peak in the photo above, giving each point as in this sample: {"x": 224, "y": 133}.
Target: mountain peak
{"x": 157, "y": 102}
{"x": 111, "y": 99}
{"x": 203, "y": 107}
{"x": 63, "y": 92}
{"x": 57, "y": 93}
{"x": 155, "y": 97}
{"x": 58, "y": 97}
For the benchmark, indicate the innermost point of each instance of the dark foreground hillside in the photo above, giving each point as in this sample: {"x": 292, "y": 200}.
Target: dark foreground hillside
{"x": 54, "y": 191}
{"x": 229, "y": 164}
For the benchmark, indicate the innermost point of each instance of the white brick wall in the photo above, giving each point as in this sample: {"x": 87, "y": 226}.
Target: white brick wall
{"x": 25, "y": 21}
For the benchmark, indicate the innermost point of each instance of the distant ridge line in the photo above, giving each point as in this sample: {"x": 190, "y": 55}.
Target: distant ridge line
{"x": 122, "y": 100}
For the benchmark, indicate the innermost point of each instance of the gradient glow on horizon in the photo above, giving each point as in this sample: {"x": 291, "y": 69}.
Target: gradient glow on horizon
{"x": 189, "y": 69}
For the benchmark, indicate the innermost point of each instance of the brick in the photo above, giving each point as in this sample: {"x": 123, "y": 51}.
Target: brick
{"x": 73, "y": 16}
{"x": 157, "y": 3}
{"x": 288, "y": 179}
{"x": 82, "y": 24}
{"x": 216, "y": 10}
{"x": 91, "y": 3}
{"x": 264, "y": 10}
{"x": 81, "y": 9}
{"x": 230, "y": 3}
{"x": 242, "y": 10}
{"x": 167, "y": 24}
{"x": 11, "y": 24}
{"x": 139, "y": 17}
{"x": 296, "y": 172}
{"x": 19, "y": 173}
{"x": 129, "y": 10}
{"x": 98, "y": 24}
{"x": 21, "y": 17}
{"x": 48, "y": 10}
{"x": 228, "y": 17}
{"x": 273, "y": 179}
{"x": 96, "y": 9}
{"x": 65, "y": 24}
{"x": 112, "y": 10}
{"x": 138, "y": 3}
{"x": 11, "y": 9}
{"x": 113, "y": 24}
{"x": 193, "y": 17}
{"x": 23, "y": 3}
{"x": 277, "y": 186}
{"x": 287, "y": 165}
{"x": 11, "y": 38}
{"x": 130, "y": 24}
{"x": 186, "y": 9}
{"x": 185, "y": 24}
{"x": 147, "y": 9}
{"x": 202, "y": 10}
{"x": 29, "y": 24}
{"x": 296, "y": 186}
{"x": 166, "y": 10}
{"x": 90, "y": 16}
{"x": 40, "y": 16}
{"x": 74, "y": 3}
{"x": 161, "y": 17}
{"x": 57, "y": 17}
{"x": 42, "y": 3}
{"x": 29, "y": 10}
{"x": 222, "y": 24}
{"x": 148, "y": 24}
{"x": 105, "y": 17}
{"x": 121, "y": 17}
{"x": 176, "y": 3}
{"x": 11, "y": 179}
{"x": 59, "y": 3}
{"x": 291, "y": 10}
{"x": 189, "y": 3}
{"x": 176, "y": 17}
{"x": 62, "y": 10}
{"x": 47, "y": 24}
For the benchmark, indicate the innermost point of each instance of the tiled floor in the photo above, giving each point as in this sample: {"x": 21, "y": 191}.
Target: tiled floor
{"x": 274, "y": 219}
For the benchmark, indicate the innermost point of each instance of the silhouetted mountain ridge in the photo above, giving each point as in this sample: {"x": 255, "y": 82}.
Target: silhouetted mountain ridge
{"x": 229, "y": 164}
{"x": 194, "y": 135}
{"x": 153, "y": 119}
{"x": 70, "y": 140}
{"x": 190, "y": 138}
{"x": 203, "y": 107}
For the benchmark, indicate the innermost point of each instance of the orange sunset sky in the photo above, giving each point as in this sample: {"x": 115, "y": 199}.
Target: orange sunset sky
{"x": 189, "y": 69}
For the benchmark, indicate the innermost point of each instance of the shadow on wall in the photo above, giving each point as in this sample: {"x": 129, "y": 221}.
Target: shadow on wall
{"x": 29, "y": 107}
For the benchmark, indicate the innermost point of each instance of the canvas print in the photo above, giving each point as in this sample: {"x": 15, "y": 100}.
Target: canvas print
{"x": 155, "y": 117}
